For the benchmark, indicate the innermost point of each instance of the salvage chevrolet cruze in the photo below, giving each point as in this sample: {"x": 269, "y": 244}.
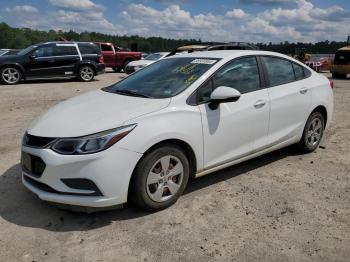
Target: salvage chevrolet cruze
{"x": 141, "y": 139}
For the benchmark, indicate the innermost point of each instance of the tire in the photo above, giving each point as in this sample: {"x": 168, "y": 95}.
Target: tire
{"x": 125, "y": 65}
{"x": 10, "y": 75}
{"x": 160, "y": 188}
{"x": 116, "y": 69}
{"x": 86, "y": 73}
{"x": 312, "y": 134}
{"x": 337, "y": 75}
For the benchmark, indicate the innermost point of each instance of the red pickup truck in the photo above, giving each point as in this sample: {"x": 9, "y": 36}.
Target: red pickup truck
{"x": 116, "y": 57}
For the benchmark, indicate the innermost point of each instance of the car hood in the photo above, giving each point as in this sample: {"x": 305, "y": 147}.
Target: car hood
{"x": 91, "y": 113}
{"x": 141, "y": 63}
{"x": 10, "y": 58}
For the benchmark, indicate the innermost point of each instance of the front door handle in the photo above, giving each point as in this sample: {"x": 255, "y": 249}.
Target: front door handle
{"x": 259, "y": 103}
{"x": 51, "y": 61}
{"x": 303, "y": 90}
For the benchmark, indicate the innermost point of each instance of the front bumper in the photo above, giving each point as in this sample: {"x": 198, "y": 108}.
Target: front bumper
{"x": 109, "y": 170}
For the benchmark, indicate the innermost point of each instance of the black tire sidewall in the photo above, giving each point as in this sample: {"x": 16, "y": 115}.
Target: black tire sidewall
{"x": 138, "y": 192}
{"x": 10, "y": 67}
{"x": 303, "y": 143}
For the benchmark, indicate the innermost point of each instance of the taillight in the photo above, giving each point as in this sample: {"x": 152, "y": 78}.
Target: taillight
{"x": 331, "y": 83}
{"x": 101, "y": 60}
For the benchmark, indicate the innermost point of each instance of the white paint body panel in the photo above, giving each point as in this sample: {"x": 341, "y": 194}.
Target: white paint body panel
{"x": 232, "y": 133}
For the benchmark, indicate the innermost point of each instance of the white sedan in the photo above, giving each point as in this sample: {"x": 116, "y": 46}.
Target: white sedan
{"x": 139, "y": 64}
{"x": 141, "y": 139}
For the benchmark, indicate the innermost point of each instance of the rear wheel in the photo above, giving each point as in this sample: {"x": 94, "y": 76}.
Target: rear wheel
{"x": 160, "y": 178}
{"x": 86, "y": 73}
{"x": 337, "y": 75}
{"x": 313, "y": 133}
{"x": 10, "y": 75}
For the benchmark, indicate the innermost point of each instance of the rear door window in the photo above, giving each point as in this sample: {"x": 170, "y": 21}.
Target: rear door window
{"x": 279, "y": 71}
{"x": 65, "y": 50}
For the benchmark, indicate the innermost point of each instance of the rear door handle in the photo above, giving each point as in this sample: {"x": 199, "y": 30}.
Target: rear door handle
{"x": 51, "y": 61}
{"x": 259, "y": 103}
{"x": 303, "y": 90}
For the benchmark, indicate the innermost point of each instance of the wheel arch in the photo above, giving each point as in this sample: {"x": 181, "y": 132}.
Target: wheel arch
{"x": 87, "y": 63}
{"x": 177, "y": 142}
{"x": 323, "y": 110}
{"x": 16, "y": 65}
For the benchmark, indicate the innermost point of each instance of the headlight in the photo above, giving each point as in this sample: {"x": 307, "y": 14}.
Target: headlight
{"x": 139, "y": 67}
{"x": 92, "y": 143}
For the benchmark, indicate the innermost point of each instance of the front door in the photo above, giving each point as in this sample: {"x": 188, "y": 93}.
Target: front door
{"x": 41, "y": 62}
{"x": 235, "y": 129}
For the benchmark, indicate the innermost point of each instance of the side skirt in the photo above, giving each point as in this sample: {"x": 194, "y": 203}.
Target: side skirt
{"x": 243, "y": 158}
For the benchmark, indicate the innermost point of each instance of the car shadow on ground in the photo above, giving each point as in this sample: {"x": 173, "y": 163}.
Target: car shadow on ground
{"x": 21, "y": 207}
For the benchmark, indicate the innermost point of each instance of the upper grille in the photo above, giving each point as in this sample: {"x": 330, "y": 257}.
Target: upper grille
{"x": 37, "y": 141}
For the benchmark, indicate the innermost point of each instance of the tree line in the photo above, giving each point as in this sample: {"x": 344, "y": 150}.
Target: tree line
{"x": 18, "y": 38}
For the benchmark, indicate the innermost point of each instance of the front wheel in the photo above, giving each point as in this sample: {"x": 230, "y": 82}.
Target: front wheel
{"x": 313, "y": 133}
{"x": 86, "y": 73}
{"x": 10, "y": 75}
{"x": 116, "y": 69}
{"x": 337, "y": 75}
{"x": 159, "y": 178}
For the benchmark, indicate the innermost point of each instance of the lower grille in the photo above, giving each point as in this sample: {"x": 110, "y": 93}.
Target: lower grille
{"x": 33, "y": 165}
{"x": 46, "y": 188}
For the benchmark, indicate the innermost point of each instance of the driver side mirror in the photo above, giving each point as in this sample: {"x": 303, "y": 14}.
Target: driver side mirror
{"x": 32, "y": 57}
{"x": 223, "y": 94}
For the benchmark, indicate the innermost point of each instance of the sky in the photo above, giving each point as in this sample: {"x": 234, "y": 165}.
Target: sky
{"x": 208, "y": 20}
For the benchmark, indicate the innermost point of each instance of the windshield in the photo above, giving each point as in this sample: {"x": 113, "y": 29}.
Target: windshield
{"x": 153, "y": 57}
{"x": 27, "y": 50}
{"x": 165, "y": 78}
{"x": 2, "y": 52}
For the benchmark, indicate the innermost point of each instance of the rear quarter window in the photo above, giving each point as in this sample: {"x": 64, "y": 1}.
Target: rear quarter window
{"x": 279, "y": 71}
{"x": 86, "y": 49}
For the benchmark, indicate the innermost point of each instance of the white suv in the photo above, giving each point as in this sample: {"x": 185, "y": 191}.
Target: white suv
{"x": 142, "y": 138}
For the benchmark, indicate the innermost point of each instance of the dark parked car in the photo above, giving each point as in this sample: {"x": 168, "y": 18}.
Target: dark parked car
{"x": 9, "y": 51}
{"x": 53, "y": 60}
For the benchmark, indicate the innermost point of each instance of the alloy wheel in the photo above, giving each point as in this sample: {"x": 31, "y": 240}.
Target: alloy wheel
{"x": 165, "y": 178}
{"x": 86, "y": 73}
{"x": 314, "y": 132}
{"x": 10, "y": 75}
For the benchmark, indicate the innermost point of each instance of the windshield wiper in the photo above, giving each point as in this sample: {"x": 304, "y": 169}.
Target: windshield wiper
{"x": 131, "y": 93}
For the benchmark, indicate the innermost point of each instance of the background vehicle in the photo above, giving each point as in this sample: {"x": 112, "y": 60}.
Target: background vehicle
{"x": 212, "y": 46}
{"x": 139, "y": 64}
{"x": 53, "y": 60}
{"x": 187, "y": 115}
{"x": 116, "y": 57}
{"x": 8, "y": 51}
{"x": 341, "y": 63}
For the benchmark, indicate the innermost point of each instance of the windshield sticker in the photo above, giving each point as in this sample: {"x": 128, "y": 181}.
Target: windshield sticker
{"x": 203, "y": 61}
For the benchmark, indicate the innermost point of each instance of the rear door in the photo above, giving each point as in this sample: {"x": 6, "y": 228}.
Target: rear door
{"x": 108, "y": 54}
{"x": 290, "y": 98}
{"x": 65, "y": 60}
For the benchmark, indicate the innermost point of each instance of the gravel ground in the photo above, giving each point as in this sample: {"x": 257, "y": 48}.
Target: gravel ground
{"x": 278, "y": 207}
